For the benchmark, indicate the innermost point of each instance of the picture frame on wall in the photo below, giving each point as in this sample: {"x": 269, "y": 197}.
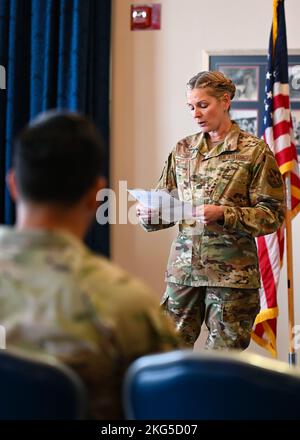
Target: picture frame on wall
{"x": 294, "y": 82}
{"x": 296, "y": 125}
{"x": 246, "y": 119}
{"x": 245, "y": 79}
{"x": 248, "y": 69}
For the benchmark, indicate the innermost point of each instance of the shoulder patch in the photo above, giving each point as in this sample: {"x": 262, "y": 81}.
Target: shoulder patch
{"x": 274, "y": 178}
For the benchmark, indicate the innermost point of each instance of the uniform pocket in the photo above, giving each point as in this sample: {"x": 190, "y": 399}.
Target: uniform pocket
{"x": 242, "y": 309}
{"x": 182, "y": 170}
{"x": 225, "y": 177}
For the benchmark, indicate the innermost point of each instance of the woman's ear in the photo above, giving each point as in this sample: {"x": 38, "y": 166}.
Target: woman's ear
{"x": 12, "y": 185}
{"x": 226, "y": 101}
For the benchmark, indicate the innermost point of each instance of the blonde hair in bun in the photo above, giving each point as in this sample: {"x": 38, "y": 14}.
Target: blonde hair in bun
{"x": 214, "y": 80}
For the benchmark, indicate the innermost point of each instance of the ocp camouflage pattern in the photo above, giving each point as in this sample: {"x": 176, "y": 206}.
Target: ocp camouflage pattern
{"x": 58, "y": 298}
{"x": 228, "y": 313}
{"x": 242, "y": 175}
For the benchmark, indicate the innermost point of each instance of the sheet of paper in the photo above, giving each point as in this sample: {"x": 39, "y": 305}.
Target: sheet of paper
{"x": 171, "y": 209}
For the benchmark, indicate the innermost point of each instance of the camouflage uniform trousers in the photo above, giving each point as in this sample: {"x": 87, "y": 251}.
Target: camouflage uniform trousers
{"x": 229, "y": 314}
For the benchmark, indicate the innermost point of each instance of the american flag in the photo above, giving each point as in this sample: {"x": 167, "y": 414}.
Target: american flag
{"x": 278, "y": 134}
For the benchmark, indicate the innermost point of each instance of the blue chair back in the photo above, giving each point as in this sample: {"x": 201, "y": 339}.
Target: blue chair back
{"x": 211, "y": 386}
{"x": 39, "y": 388}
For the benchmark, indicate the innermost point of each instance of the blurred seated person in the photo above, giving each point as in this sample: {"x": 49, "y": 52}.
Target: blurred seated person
{"x": 57, "y": 297}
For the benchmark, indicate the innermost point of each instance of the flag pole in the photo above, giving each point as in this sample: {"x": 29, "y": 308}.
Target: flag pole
{"x": 290, "y": 275}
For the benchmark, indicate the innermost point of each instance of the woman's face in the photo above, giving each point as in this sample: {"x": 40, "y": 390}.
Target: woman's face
{"x": 209, "y": 112}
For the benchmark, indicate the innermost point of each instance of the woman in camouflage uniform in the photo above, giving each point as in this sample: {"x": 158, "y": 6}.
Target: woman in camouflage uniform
{"x": 232, "y": 180}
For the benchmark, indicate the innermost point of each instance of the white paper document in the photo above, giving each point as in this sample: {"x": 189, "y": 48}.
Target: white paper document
{"x": 170, "y": 208}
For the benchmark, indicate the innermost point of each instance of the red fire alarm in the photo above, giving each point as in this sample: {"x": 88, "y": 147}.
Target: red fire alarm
{"x": 145, "y": 17}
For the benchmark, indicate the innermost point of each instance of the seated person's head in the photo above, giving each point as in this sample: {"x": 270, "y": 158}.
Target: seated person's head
{"x": 57, "y": 164}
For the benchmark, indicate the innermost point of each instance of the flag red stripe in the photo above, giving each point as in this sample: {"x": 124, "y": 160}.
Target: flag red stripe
{"x": 295, "y": 180}
{"x": 272, "y": 323}
{"x": 288, "y": 154}
{"x": 281, "y": 101}
{"x": 281, "y": 128}
{"x": 259, "y": 330}
{"x": 295, "y": 202}
{"x": 280, "y": 237}
{"x": 266, "y": 271}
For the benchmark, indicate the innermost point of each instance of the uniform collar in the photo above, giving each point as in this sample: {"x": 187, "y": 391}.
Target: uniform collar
{"x": 230, "y": 143}
{"x": 29, "y": 238}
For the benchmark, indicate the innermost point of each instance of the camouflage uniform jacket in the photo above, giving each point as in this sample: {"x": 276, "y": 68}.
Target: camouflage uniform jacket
{"x": 242, "y": 175}
{"x": 56, "y": 297}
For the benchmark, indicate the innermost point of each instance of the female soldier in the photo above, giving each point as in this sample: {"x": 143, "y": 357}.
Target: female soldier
{"x": 232, "y": 180}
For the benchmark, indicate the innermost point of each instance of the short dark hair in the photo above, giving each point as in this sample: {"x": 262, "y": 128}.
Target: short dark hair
{"x": 57, "y": 158}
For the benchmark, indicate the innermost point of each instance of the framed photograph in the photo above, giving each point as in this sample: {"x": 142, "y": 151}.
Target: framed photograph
{"x": 246, "y": 119}
{"x": 245, "y": 79}
{"x": 248, "y": 72}
{"x": 296, "y": 125}
{"x": 294, "y": 82}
